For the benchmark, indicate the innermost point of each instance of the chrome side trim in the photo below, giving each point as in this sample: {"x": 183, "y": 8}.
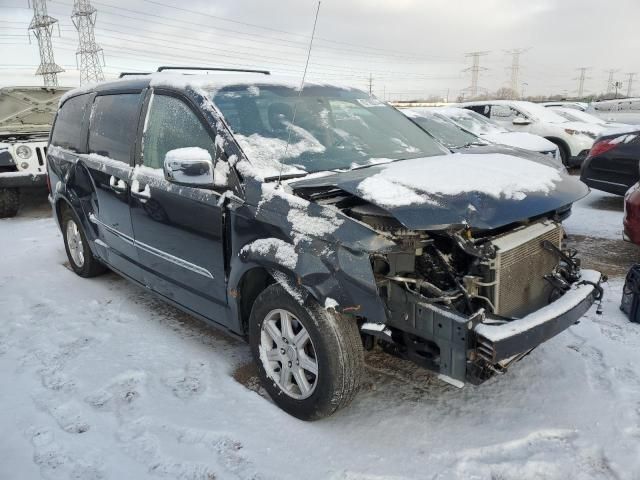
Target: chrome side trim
{"x": 118, "y": 233}
{"x": 152, "y": 250}
{"x": 173, "y": 259}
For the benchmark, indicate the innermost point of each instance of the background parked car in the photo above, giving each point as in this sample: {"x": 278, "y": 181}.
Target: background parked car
{"x": 574, "y": 115}
{"x": 494, "y": 132}
{"x": 631, "y": 221}
{"x": 573, "y": 138}
{"x": 26, "y": 114}
{"x": 580, "y": 106}
{"x": 625, "y": 110}
{"x": 612, "y": 163}
{"x": 458, "y": 139}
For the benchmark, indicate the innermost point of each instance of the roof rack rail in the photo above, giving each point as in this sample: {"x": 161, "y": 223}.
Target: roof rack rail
{"x": 218, "y": 69}
{"x": 129, "y": 74}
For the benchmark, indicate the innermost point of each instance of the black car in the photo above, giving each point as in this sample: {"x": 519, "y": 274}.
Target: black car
{"x": 316, "y": 223}
{"x": 613, "y": 163}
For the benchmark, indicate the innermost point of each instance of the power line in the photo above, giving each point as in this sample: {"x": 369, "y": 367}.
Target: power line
{"x": 42, "y": 25}
{"x": 253, "y": 25}
{"x": 262, "y": 38}
{"x": 84, "y": 19}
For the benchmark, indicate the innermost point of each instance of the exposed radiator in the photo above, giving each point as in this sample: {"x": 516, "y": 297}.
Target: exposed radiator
{"x": 520, "y": 266}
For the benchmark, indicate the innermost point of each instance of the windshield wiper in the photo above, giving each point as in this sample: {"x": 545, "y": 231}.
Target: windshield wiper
{"x": 286, "y": 177}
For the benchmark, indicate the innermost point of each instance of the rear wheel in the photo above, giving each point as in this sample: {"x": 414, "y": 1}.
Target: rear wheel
{"x": 78, "y": 252}
{"x": 9, "y": 202}
{"x": 309, "y": 360}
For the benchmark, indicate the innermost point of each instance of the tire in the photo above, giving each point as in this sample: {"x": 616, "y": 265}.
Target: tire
{"x": 9, "y": 202}
{"x": 333, "y": 340}
{"x": 75, "y": 240}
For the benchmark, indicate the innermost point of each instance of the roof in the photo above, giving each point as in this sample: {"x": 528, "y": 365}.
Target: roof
{"x": 521, "y": 103}
{"x": 210, "y": 82}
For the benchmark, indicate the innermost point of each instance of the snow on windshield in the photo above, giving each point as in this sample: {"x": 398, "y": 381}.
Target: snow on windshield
{"x": 574, "y": 115}
{"x": 501, "y": 176}
{"x": 543, "y": 114}
{"x": 323, "y": 128}
{"x": 472, "y": 121}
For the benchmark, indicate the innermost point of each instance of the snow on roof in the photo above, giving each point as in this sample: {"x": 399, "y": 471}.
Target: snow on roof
{"x": 207, "y": 83}
{"x": 532, "y": 109}
{"x": 501, "y": 176}
{"x": 219, "y": 80}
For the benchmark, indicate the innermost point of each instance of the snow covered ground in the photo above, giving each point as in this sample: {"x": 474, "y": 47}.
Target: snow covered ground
{"x": 102, "y": 381}
{"x": 599, "y": 215}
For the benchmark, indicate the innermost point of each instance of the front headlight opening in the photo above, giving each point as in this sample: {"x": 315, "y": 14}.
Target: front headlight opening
{"x": 23, "y": 152}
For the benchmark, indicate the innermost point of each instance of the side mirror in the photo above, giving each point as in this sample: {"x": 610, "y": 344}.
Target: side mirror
{"x": 521, "y": 121}
{"x": 192, "y": 167}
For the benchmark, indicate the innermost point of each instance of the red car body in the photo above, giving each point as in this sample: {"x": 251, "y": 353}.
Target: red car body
{"x": 631, "y": 219}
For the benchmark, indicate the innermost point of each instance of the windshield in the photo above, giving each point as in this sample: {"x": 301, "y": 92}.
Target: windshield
{"x": 578, "y": 116}
{"x": 472, "y": 121}
{"x": 543, "y": 114}
{"x": 333, "y": 129}
{"x": 444, "y": 130}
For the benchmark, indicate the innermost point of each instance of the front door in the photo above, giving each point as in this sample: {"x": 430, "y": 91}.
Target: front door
{"x": 112, "y": 132}
{"x": 178, "y": 230}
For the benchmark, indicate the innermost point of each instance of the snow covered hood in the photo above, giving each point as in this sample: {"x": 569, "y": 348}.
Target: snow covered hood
{"x": 484, "y": 191}
{"x": 28, "y": 109}
{"x": 523, "y": 140}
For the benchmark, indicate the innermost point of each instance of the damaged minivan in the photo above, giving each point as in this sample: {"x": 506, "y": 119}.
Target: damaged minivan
{"x": 316, "y": 223}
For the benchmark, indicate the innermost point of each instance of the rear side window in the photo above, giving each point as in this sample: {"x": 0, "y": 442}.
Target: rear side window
{"x": 113, "y": 125}
{"x": 67, "y": 131}
{"x": 171, "y": 124}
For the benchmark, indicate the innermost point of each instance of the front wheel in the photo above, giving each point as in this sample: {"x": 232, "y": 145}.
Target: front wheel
{"x": 9, "y": 202}
{"x": 309, "y": 360}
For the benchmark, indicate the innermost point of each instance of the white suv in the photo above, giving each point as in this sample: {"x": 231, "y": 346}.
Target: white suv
{"x": 573, "y": 138}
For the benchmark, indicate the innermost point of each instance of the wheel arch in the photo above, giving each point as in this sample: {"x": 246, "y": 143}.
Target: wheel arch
{"x": 328, "y": 282}
{"x": 562, "y": 144}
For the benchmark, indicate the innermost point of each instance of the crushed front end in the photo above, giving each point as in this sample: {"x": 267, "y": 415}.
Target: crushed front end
{"x": 468, "y": 304}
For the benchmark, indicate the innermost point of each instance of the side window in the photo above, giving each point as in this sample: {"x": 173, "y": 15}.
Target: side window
{"x": 481, "y": 109}
{"x": 171, "y": 124}
{"x": 504, "y": 112}
{"x": 113, "y": 124}
{"x": 67, "y": 130}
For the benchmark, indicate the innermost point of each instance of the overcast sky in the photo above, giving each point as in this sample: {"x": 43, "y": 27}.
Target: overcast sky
{"x": 411, "y": 48}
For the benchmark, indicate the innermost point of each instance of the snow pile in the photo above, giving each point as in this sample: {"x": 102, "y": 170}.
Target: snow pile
{"x": 221, "y": 174}
{"x": 282, "y": 191}
{"x": 424, "y": 179}
{"x": 330, "y": 304}
{"x": 388, "y": 193}
{"x": 187, "y": 154}
{"x": 283, "y": 252}
{"x": 523, "y": 140}
{"x": 623, "y": 139}
{"x": 267, "y": 153}
{"x": 305, "y": 226}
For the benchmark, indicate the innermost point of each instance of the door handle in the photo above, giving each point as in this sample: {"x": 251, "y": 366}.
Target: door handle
{"x": 117, "y": 184}
{"x": 141, "y": 191}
